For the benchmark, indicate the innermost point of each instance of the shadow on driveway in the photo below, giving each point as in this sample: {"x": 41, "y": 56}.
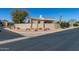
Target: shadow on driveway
{"x": 6, "y": 34}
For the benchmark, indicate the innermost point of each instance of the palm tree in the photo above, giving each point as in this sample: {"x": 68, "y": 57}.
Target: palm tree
{"x": 60, "y": 19}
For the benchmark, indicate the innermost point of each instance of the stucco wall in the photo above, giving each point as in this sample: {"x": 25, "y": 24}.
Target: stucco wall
{"x": 24, "y": 26}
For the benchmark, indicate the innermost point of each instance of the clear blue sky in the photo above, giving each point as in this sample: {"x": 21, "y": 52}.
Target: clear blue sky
{"x": 67, "y": 13}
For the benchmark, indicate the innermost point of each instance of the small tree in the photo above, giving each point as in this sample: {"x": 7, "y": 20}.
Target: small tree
{"x": 18, "y": 16}
{"x": 64, "y": 25}
{"x": 72, "y": 22}
{"x": 76, "y": 23}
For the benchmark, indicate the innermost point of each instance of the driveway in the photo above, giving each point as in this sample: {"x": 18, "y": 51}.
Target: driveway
{"x": 61, "y": 41}
{"x": 5, "y": 35}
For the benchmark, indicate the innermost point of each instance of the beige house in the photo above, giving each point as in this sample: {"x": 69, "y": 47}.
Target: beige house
{"x": 42, "y": 23}
{"x": 38, "y": 24}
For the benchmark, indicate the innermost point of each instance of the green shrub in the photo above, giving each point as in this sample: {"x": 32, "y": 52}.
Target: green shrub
{"x": 64, "y": 25}
{"x": 76, "y": 24}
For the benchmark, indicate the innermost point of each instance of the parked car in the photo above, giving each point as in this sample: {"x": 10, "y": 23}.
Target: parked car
{"x": 0, "y": 27}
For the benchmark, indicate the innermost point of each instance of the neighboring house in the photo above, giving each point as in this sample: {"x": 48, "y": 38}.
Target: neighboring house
{"x": 5, "y": 23}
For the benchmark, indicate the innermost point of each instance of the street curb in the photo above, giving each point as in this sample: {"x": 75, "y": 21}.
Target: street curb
{"x": 23, "y": 38}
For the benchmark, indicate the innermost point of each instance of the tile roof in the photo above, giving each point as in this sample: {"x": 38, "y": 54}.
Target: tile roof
{"x": 43, "y": 19}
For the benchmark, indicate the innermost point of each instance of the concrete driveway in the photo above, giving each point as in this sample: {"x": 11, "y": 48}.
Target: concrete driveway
{"x": 5, "y": 35}
{"x": 61, "y": 41}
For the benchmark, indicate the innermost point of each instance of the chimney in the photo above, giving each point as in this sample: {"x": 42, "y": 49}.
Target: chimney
{"x": 40, "y": 16}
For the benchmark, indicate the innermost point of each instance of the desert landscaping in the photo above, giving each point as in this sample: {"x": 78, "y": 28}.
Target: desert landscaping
{"x": 31, "y": 31}
{"x": 24, "y": 25}
{"x": 36, "y": 25}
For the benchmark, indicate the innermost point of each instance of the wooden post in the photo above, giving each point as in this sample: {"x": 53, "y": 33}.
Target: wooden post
{"x": 43, "y": 25}
{"x": 37, "y": 24}
{"x": 31, "y": 23}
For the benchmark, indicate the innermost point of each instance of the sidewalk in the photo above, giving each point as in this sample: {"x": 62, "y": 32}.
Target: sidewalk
{"x": 30, "y": 35}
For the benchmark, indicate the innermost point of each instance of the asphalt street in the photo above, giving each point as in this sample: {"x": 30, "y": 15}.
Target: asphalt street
{"x": 5, "y": 35}
{"x": 61, "y": 41}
